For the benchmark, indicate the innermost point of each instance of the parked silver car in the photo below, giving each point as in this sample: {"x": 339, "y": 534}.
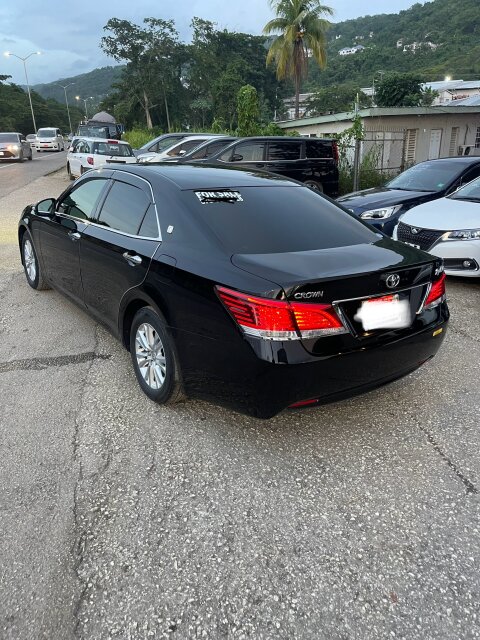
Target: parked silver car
{"x": 14, "y": 146}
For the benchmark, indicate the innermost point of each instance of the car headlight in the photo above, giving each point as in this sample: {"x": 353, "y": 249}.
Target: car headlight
{"x": 13, "y": 147}
{"x": 465, "y": 234}
{"x": 380, "y": 214}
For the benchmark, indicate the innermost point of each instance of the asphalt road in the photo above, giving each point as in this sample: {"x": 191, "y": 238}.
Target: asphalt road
{"x": 15, "y": 175}
{"x": 123, "y": 519}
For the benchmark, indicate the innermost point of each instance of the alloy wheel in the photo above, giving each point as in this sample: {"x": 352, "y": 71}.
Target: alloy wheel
{"x": 29, "y": 260}
{"x": 150, "y": 355}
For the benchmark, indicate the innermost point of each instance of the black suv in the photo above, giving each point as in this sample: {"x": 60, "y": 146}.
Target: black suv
{"x": 313, "y": 161}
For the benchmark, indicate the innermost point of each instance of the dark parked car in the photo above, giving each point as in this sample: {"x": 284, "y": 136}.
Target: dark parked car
{"x": 160, "y": 143}
{"x": 219, "y": 292}
{"x": 313, "y": 161}
{"x": 203, "y": 151}
{"x": 423, "y": 182}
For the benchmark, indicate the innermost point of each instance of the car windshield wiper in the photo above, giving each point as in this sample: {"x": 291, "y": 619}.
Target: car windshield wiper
{"x": 405, "y": 189}
{"x": 468, "y": 199}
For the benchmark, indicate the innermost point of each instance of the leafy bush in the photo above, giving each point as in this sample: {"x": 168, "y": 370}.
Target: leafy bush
{"x": 138, "y": 137}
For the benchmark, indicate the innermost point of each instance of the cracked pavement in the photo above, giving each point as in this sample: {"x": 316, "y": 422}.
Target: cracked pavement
{"x": 123, "y": 519}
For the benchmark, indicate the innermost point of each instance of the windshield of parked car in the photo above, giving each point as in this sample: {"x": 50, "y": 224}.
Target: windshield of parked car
{"x": 113, "y": 149}
{"x": 470, "y": 191}
{"x": 277, "y": 220}
{"x": 427, "y": 176}
{"x": 46, "y": 133}
{"x": 8, "y": 137}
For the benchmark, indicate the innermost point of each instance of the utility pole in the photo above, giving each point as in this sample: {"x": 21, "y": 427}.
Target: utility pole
{"x": 65, "y": 87}
{"x": 356, "y": 157}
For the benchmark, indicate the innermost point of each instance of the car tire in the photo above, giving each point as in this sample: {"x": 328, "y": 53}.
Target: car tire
{"x": 21, "y": 157}
{"x": 70, "y": 174}
{"x": 314, "y": 185}
{"x": 151, "y": 345}
{"x": 33, "y": 272}
{"x": 30, "y": 157}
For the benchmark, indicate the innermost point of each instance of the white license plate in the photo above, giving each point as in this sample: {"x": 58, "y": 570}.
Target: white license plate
{"x": 387, "y": 312}
{"x": 45, "y": 146}
{"x": 410, "y": 244}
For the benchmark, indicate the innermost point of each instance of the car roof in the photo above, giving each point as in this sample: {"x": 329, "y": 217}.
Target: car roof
{"x": 456, "y": 159}
{"x": 204, "y": 177}
{"x": 111, "y": 140}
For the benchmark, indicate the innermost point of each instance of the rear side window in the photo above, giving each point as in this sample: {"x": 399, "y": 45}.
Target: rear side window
{"x": 124, "y": 208}
{"x": 318, "y": 149}
{"x": 284, "y": 150}
{"x": 279, "y": 220}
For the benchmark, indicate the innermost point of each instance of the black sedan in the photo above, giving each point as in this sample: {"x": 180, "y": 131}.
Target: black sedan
{"x": 421, "y": 183}
{"x": 247, "y": 289}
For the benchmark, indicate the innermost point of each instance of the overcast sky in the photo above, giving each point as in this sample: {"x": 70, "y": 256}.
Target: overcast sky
{"x": 68, "y": 33}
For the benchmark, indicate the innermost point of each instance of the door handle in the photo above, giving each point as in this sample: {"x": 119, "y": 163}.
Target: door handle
{"x": 74, "y": 236}
{"x": 133, "y": 260}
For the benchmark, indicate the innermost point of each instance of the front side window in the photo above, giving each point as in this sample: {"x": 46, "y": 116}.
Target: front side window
{"x": 80, "y": 203}
{"x": 124, "y": 208}
{"x": 185, "y": 147}
{"x": 245, "y": 152}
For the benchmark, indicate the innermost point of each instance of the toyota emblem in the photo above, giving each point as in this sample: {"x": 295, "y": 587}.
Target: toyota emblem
{"x": 415, "y": 230}
{"x": 393, "y": 280}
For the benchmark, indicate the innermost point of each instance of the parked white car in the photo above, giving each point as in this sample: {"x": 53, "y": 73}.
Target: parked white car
{"x": 448, "y": 228}
{"x": 177, "y": 148}
{"x": 92, "y": 153}
{"x": 49, "y": 139}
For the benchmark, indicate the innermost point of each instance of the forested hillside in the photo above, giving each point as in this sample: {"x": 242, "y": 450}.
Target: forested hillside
{"x": 96, "y": 83}
{"x": 448, "y": 32}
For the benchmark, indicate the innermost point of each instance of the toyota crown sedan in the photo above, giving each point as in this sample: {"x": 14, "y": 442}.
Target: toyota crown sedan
{"x": 243, "y": 288}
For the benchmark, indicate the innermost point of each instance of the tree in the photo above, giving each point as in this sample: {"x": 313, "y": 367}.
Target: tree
{"x": 301, "y": 31}
{"x": 403, "y": 90}
{"x": 336, "y": 99}
{"x": 248, "y": 111}
{"x": 153, "y": 61}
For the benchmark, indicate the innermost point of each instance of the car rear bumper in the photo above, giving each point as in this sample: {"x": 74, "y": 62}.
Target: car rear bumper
{"x": 233, "y": 376}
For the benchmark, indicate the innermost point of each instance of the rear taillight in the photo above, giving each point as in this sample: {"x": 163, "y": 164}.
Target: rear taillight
{"x": 90, "y": 160}
{"x": 436, "y": 295}
{"x": 335, "y": 151}
{"x": 280, "y": 319}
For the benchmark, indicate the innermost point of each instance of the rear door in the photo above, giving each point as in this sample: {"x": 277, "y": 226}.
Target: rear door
{"x": 285, "y": 157}
{"x": 117, "y": 248}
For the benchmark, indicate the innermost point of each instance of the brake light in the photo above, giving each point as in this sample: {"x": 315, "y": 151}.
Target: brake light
{"x": 335, "y": 151}
{"x": 90, "y": 160}
{"x": 280, "y": 319}
{"x": 112, "y": 141}
{"x": 436, "y": 294}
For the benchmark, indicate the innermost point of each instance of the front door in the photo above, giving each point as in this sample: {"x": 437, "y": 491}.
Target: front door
{"x": 435, "y": 141}
{"x": 117, "y": 248}
{"x": 60, "y": 236}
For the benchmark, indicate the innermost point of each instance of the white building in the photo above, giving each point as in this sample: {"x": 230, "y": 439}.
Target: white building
{"x": 348, "y": 51}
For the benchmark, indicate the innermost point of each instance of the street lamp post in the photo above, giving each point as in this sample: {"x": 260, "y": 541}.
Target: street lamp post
{"x": 65, "y": 87}
{"x": 24, "y": 60}
{"x": 84, "y": 100}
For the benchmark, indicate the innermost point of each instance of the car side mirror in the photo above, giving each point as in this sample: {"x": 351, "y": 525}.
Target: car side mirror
{"x": 45, "y": 207}
{"x": 237, "y": 157}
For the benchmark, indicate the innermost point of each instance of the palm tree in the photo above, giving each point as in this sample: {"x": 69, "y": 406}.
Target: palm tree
{"x": 300, "y": 31}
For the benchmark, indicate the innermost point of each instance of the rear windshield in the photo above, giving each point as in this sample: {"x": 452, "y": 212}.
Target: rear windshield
{"x": 277, "y": 220}
{"x": 8, "y": 137}
{"x": 427, "y": 176}
{"x": 46, "y": 133}
{"x": 98, "y": 131}
{"x": 112, "y": 149}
